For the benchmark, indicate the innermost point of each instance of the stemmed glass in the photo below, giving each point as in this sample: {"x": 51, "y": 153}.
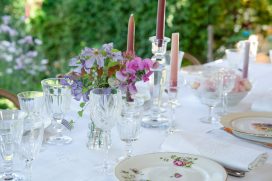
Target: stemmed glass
{"x": 129, "y": 125}
{"x": 207, "y": 88}
{"x": 11, "y": 129}
{"x": 172, "y": 99}
{"x": 106, "y": 110}
{"x": 57, "y": 100}
{"x": 31, "y": 102}
{"x": 227, "y": 80}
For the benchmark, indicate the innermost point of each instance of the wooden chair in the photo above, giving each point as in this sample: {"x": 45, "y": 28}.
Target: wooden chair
{"x": 13, "y": 98}
{"x": 191, "y": 58}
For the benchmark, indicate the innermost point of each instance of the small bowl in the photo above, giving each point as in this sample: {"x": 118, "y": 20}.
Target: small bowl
{"x": 235, "y": 97}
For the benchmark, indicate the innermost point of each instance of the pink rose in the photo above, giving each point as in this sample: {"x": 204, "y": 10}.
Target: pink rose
{"x": 179, "y": 163}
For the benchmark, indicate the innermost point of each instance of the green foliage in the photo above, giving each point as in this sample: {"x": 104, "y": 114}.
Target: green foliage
{"x": 68, "y": 25}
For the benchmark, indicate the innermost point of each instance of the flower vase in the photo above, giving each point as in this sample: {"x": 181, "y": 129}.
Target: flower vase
{"x": 95, "y": 137}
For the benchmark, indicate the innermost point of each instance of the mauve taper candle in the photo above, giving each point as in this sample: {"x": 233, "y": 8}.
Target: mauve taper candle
{"x": 246, "y": 60}
{"x": 130, "y": 35}
{"x": 174, "y": 60}
{"x": 160, "y": 21}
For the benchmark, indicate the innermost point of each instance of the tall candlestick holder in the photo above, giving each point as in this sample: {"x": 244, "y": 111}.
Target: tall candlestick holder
{"x": 154, "y": 117}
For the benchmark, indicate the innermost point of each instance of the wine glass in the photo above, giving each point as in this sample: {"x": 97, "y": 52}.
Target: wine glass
{"x": 227, "y": 81}
{"x": 57, "y": 100}
{"x": 207, "y": 88}
{"x": 106, "y": 108}
{"x": 31, "y": 102}
{"x": 129, "y": 125}
{"x": 11, "y": 130}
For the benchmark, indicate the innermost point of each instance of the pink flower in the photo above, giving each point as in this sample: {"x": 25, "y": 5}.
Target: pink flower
{"x": 146, "y": 76}
{"x": 179, "y": 163}
{"x": 147, "y": 63}
{"x": 132, "y": 88}
{"x": 134, "y": 65}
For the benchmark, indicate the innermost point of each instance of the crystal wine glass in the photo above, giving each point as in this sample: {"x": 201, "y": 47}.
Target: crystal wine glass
{"x": 11, "y": 129}
{"x": 106, "y": 110}
{"x": 31, "y": 102}
{"x": 207, "y": 88}
{"x": 129, "y": 125}
{"x": 57, "y": 99}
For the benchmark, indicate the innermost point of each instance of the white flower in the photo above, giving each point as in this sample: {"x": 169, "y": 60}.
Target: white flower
{"x": 38, "y": 42}
{"x": 9, "y": 71}
{"x": 44, "y": 61}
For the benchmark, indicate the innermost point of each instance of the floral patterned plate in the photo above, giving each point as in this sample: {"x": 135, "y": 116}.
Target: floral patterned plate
{"x": 257, "y": 124}
{"x": 169, "y": 166}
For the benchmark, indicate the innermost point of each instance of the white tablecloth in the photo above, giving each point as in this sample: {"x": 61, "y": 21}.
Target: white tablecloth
{"x": 75, "y": 162}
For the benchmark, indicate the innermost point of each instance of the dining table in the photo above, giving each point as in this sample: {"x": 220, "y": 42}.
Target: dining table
{"x": 75, "y": 162}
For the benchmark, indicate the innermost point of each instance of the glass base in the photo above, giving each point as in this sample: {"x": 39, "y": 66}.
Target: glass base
{"x": 105, "y": 169}
{"x": 158, "y": 121}
{"x": 210, "y": 120}
{"x": 59, "y": 140}
{"x": 12, "y": 177}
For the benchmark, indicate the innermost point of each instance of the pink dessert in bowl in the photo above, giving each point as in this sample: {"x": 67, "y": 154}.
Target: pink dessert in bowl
{"x": 240, "y": 90}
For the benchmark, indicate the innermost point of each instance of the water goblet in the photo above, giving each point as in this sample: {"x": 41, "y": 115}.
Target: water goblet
{"x": 106, "y": 110}
{"x": 207, "y": 89}
{"x": 32, "y": 102}
{"x": 129, "y": 125}
{"x": 57, "y": 100}
{"x": 11, "y": 130}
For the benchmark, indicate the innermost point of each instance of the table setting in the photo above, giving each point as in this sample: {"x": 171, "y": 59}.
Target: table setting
{"x": 118, "y": 116}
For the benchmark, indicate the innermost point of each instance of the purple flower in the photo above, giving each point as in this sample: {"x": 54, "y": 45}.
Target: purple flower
{"x": 120, "y": 75}
{"x": 91, "y": 55}
{"x": 26, "y": 40}
{"x": 132, "y": 88}
{"x": 107, "y": 47}
{"x": 6, "y": 19}
{"x": 32, "y": 54}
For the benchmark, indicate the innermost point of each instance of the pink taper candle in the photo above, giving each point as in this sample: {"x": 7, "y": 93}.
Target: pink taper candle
{"x": 130, "y": 35}
{"x": 246, "y": 60}
{"x": 174, "y": 60}
{"x": 160, "y": 21}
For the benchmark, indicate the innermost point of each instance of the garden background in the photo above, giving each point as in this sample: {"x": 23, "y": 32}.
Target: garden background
{"x": 66, "y": 26}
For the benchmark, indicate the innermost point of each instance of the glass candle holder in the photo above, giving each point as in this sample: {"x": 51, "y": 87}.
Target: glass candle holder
{"x": 154, "y": 117}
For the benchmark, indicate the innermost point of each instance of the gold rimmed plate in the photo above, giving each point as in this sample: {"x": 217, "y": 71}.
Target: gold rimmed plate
{"x": 169, "y": 166}
{"x": 250, "y": 124}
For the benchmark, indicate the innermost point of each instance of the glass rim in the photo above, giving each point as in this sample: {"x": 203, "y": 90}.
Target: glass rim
{"x": 36, "y": 94}
{"x": 45, "y": 81}
{"x": 154, "y": 39}
{"x": 21, "y": 114}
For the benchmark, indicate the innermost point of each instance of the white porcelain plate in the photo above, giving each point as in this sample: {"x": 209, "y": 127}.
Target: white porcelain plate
{"x": 169, "y": 166}
{"x": 258, "y": 126}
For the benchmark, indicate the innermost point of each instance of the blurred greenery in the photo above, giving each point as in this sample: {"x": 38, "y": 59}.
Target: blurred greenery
{"x": 66, "y": 26}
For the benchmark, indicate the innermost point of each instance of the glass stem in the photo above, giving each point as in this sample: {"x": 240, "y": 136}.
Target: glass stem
{"x": 8, "y": 167}
{"x": 106, "y": 147}
{"x": 173, "y": 116}
{"x": 211, "y": 117}
{"x": 28, "y": 167}
{"x": 128, "y": 149}
{"x": 225, "y": 103}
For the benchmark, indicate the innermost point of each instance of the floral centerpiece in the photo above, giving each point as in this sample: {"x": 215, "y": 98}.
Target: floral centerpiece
{"x": 106, "y": 67}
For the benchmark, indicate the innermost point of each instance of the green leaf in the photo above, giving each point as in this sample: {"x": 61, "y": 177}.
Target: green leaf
{"x": 80, "y": 113}
{"x": 82, "y": 104}
{"x": 112, "y": 64}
